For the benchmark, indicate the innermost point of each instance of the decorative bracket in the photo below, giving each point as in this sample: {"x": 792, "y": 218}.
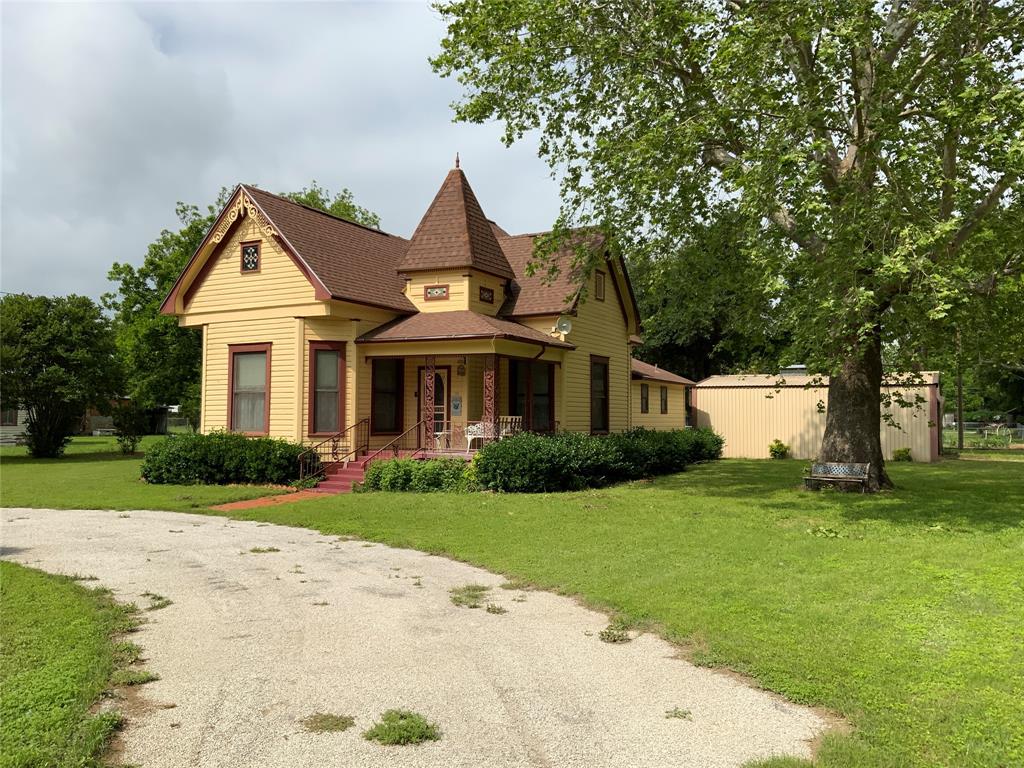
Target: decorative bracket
{"x": 243, "y": 205}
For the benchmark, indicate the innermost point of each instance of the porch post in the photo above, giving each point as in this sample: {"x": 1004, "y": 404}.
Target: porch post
{"x": 490, "y": 387}
{"x": 428, "y": 397}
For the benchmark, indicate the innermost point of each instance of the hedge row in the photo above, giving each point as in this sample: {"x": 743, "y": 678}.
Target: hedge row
{"x": 572, "y": 461}
{"x": 568, "y": 461}
{"x": 413, "y": 475}
{"x": 221, "y": 457}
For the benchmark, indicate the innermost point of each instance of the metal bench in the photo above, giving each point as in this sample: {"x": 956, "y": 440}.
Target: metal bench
{"x": 837, "y": 472}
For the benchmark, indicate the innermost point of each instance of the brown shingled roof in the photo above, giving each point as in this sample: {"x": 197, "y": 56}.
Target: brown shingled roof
{"x": 534, "y": 294}
{"x": 454, "y": 233}
{"x": 642, "y": 370}
{"x": 354, "y": 262}
{"x": 458, "y": 324}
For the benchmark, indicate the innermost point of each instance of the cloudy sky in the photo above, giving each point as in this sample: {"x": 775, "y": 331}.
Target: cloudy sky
{"x": 112, "y": 112}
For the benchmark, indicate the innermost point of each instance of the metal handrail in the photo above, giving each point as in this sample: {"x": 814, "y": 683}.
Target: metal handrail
{"x": 317, "y": 459}
{"x": 396, "y": 445}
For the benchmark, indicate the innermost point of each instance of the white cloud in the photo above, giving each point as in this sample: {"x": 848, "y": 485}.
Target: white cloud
{"x": 113, "y": 112}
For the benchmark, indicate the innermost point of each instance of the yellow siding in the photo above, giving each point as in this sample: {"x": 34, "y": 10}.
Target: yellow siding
{"x": 318, "y": 329}
{"x": 749, "y": 418}
{"x": 458, "y": 288}
{"x": 655, "y": 419}
{"x": 496, "y": 284}
{"x": 278, "y": 283}
{"x": 281, "y": 334}
{"x": 598, "y": 329}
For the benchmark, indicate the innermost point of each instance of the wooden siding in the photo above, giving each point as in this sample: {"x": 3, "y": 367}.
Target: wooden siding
{"x": 598, "y": 328}
{"x": 496, "y": 284}
{"x": 224, "y": 288}
{"x": 458, "y": 290}
{"x": 281, "y": 334}
{"x": 749, "y": 418}
{"x": 654, "y": 418}
{"x": 329, "y": 329}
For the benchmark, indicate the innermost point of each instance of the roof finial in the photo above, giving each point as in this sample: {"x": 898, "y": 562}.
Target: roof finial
{"x": 456, "y": 159}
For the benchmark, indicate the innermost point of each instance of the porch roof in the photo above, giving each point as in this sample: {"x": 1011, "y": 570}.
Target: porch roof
{"x": 460, "y": 324}
{"x": 642, "y": 370}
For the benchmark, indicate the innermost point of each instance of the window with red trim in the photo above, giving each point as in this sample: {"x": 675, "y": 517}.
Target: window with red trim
{"x": 249, "y": 388}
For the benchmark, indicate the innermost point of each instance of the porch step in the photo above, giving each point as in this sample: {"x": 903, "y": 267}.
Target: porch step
{"x": 340, "y": 479}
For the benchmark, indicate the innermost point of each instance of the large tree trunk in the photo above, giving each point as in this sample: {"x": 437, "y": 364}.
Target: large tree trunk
{"x": 853, "y": 432}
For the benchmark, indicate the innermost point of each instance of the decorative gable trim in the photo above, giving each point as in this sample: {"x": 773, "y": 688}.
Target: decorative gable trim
{"x": 240, "y": 206}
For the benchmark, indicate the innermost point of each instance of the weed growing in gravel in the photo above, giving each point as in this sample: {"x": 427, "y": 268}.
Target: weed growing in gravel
{"x": 156, "y": 602}
{"x": 418, "y": 582}
{"x": 469, "y": 596}
{"x": 325, "y": 722}
{"x": 133, "y": 676}
{"x": 495, "y": 608}
{"x": 126, "y": 653}
{"x": 400, "y": 726}
{"x": 83, "y": 577}
{"x": 515, "y": 584}
{"x": 263, "y": 550}
{"x": 678, "y": 714}
{"x": 321, "y": 602}
{"x": 614, "y": 635}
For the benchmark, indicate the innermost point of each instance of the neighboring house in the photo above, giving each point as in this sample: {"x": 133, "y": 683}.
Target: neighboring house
{"x": 313, "y": 325}
{"x": 750, "y": 411}
{"x": 12, "y": 425}
{"x": 661, "y": 400}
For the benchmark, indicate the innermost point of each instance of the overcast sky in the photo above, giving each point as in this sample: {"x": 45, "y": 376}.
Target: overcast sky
{"x": 113, "y": 112}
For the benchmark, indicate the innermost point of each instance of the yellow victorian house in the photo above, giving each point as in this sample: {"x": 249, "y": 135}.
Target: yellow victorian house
{"x": 327, "y": 332}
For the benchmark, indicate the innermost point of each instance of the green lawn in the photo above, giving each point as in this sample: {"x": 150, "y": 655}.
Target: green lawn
{"x": 94, "y": 475}
{"x": 56, "y": 658}
{"x": 902, "y": 611}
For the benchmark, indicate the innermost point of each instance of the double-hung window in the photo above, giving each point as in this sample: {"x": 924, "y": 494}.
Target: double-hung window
{"x": 249, "y": 388}
{"x": 645, "y": 398}
{"x": 664, "y": 400}
{"x": 598, "y": 394}
{"x": 327, "y": 387}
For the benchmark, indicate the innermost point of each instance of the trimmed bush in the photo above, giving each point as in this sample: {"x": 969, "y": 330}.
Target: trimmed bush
{"x": 571, "y": 461}
{"x": 424, "y": 476}
{"x": 220, "y": 458}
{"x": 778, "y": 449}
{"x": 902, "y": 454}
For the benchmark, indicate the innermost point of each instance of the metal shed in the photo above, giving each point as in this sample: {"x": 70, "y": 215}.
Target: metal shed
{"x": 752, "y": 410}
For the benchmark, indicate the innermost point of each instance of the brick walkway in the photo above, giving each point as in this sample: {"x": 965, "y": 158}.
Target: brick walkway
{"x": 268, "y": 501}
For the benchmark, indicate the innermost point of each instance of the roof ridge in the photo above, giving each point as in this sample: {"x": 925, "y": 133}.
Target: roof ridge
{"x": 342, "y": 219}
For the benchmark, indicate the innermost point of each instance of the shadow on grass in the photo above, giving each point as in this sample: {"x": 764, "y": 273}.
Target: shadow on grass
{"x": 983, "y": 496}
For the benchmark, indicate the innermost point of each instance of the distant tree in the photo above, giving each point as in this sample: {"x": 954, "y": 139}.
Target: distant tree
{"x": 873, "y": 149}
{"x": 705, "y": 310}
{"x": 341, "y": 205}
{"x": 57, "y": 358}
{"x": 161, "y": 359}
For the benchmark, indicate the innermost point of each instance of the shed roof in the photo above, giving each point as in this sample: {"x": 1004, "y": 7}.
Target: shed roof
{"x": 642, "y": 370}
{"x": 776, "y": 381}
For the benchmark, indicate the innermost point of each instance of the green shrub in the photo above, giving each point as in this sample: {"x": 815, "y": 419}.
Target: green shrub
{"x": 130, "y": 423}
{"x": 399, "y": 726}
{"x": 427, "y": 475}
{"x": 902, "y": 454}
{"x": 221, "y": 457}
{"x": 778, "y": 449}
{"x": 570, "y": 461}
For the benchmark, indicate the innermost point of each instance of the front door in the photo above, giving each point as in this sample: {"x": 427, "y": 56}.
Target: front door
{"x": 442, "y": 397}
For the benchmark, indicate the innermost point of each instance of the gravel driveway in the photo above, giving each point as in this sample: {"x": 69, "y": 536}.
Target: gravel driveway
{"x": 255, "y": 642}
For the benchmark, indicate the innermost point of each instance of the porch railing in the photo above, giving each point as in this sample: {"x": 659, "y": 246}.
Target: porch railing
{"x": 406, "y": 445}
{"x": 465, "y": 437}
{"x": 347, "y": 444}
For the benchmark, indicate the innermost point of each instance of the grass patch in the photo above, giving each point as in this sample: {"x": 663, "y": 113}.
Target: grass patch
{"x": 325, "y": 722}
{"x": 469, "y": 596}
{"x": 132, "y": 676}
{"x": 156, "y": 602}
{"x": 678, "y": 714}
{"x": 495, "y": 608}
{"x": 400, "y": 726}
{"x": 263, "y": 550}
{"x": 94, "y": 475}
{"x": 56, "y": 659}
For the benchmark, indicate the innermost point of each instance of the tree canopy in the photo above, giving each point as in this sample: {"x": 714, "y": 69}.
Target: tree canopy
{"x": 58, "y": 359}
{"x": 872, "y": 151}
